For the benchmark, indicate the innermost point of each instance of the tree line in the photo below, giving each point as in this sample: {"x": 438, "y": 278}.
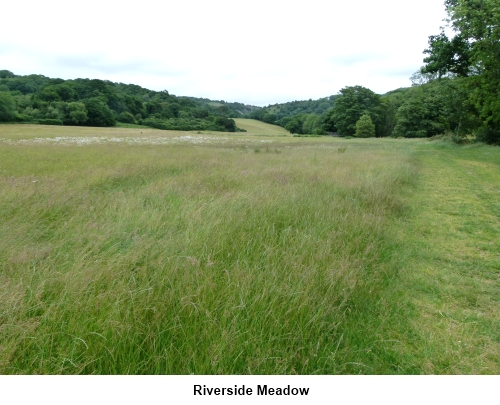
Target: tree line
{"x": 42, "y": 100}
{"x": 432, "y": 106}
{"x": 456, "y": 92}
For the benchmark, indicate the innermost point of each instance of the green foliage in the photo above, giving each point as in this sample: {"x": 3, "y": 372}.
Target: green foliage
{"x": 210, "y": 123}
{"x": 311, "y": 124}
{"x": 293, "y": 126}
{"x": 328, "y": 122}
{"x": 270, "y": 118}
{"x": 223, "y": 108}
{"x": 59, "y": 92}
{"x": 77, "y": 113}
{"x": 227, "y": 124}
{"x": 295, "y": 108}
{"x": 352, "y": 103}
{"x": 447, "y": 56}
{"x": 299, "y": 117}
{"x": 99, "y": 103}
{"x": 365, "y": 127}
{"x": 390, "y": 105}
{"x": 414, "y": 120}
{"x": 98, "y": 113}
{"x": 264, "y": 115}
{"x": 50, "y": 121}
{"x": 474, "y": 52}
{"x": 126, "y": 117}
{"x": 420, "y": 115}
{"x": 5, "y": 74}
{"x": 435, "y": 108}
{"x": 7, "y": 107}
{"x": 488, "y": 134}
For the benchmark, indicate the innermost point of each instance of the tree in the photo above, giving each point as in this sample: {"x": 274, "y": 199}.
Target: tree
{"x": 270, "y": 118}
{"x": 99, "y": 114}
{"x": 134, "y": 105}
{"x": 328, "y": 122}
{"x": 4, "y": 74}
{"x": 351, "y": 105}
{"x": 476, "y": 44}
{"x": 418, "y": 78}
{"x": 294, "y": 126}
{"x": 365, "y": 127}
{"x": 391, "y": 102}
{"x": 126, "y": 117}
{"x": 421, "y": 114}
{"x": 60, "y": 92}
{"x": 8, "y": 110}
{"x": 77, "y": 113}
{"x": 311, "y": 123}
{"x": 228, "y": 124}
{"x": 447, "y": 55}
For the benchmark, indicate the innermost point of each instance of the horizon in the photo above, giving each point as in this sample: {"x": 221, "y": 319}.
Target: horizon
{"x": 259, "y": 55}
{"x": 192, "y": 96}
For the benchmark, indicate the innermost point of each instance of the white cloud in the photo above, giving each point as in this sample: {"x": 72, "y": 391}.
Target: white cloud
{"x": 257, "y": 52}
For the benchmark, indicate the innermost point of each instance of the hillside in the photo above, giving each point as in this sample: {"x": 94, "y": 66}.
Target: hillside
{"x": 301, "y": 107}
{"x": 38, "y": 99}
{"x": 301, "y": 117}
{"x": 232, "y": 108}
{"x": 255, "y": 127}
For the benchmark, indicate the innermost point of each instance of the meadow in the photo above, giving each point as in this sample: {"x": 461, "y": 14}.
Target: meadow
{"x": 140, "y": 251}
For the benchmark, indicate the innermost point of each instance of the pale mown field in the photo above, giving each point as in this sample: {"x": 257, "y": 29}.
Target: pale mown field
{"x": 254, "y": 127}
{"x": 132, "y": 251}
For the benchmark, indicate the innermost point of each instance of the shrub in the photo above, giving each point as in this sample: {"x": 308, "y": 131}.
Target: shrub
{"x": 50, "y": 121}
{"x": 126, "y": 117}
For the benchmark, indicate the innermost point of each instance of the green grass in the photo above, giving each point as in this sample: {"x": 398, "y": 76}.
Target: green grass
{"x": 452, "y": 272}
{"x": 310, "y": 256}
{"x": 254, "y": 127}
{"x": 30, "y": 131}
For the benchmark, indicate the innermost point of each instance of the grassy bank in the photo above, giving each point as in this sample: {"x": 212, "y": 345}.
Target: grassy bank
{"x": 234, "y": 256}
{"x": 254, "y": 127}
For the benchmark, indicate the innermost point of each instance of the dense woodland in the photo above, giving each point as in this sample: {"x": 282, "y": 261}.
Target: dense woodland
{"x": 42, "y": 100}
{"x": 456, "y": 92}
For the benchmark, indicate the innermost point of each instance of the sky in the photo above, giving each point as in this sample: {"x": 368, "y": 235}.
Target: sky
{"x": 255, "y": 52}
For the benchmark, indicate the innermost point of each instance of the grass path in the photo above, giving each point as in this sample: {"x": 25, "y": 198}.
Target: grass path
{"x": 452, "y": 277}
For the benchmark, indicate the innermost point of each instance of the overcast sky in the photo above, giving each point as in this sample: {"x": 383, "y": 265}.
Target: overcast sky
{"x": 255, "y": 52}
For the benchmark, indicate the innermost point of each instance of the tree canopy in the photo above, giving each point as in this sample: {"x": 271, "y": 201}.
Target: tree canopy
{"x": 43, "y": 100}
{"x": 365, "y": 127}
{"x": 473, "y": 52}
{"x": 353, "y": 103}
{"x": 7, "y": 107}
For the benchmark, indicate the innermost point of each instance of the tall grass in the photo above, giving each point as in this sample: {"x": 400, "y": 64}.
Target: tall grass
{"x": 196, "y": 259}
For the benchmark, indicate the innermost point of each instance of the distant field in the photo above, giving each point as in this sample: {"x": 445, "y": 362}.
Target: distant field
{"x": 133, "y": 251}
{"x": 260, "y": 128}
{"x": 28, "y": 131}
